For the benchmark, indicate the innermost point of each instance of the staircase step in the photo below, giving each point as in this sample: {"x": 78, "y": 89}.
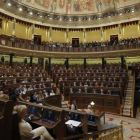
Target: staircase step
{"x": 127, "y": 103}
{"x": 126, "y": 111}
{"x": 127, "y": 107}
{"x": 128, "y": 95}
{"x": 129, "y": 98}
{"x": 126, "y": 114}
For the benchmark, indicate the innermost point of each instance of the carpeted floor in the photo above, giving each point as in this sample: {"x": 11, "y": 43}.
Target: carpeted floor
{"x": 131, "y": 126}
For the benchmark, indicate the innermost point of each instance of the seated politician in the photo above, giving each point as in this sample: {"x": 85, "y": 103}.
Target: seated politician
{"x": 79, "y": 91}
{"x": 36, "y": 98}
{"x": 52, "y": 93}
{"x": 71, "y": 91}
{"x": 85, "y": 90}
{"x": 25, "y": 129}
{"x": 109, "y": 92}
{"x": 94, "y": 91}
{"x": 102, "y": 91}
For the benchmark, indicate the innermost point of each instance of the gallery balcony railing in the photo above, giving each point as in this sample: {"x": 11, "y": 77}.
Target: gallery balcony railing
{"x": 72, "y": 49}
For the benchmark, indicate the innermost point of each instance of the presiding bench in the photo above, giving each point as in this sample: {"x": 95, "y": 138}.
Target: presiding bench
{"x": 107, "y": 103}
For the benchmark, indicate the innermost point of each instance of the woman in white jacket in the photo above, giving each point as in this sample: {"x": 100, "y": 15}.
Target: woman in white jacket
{"x": 26, "y": 132}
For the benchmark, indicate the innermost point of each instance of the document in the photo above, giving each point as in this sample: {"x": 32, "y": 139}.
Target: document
{"x": 74, "y": 123}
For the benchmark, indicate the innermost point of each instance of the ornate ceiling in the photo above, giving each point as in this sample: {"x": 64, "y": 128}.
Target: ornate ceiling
{"x": 78, "y": 6}
{"x": 72, "y": 13}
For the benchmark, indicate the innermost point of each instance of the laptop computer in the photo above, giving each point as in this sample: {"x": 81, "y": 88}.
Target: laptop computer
{"x": 91, "y": 119}
{"x": 76, "y": 117}
{"x": 36, "y": 111}
{"x": 50, "y": 115}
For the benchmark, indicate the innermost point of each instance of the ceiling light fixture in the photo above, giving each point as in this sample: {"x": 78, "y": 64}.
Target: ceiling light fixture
{"x": 9, "y": 4}
{"x": 20, "y": 9}
{"x": 31, "y": 13}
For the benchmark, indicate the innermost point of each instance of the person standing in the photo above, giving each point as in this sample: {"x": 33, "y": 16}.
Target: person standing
{"x": 74, "y": 106}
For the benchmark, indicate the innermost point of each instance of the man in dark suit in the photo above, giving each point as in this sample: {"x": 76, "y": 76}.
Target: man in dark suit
{"x": 71, "y": 91}
{"x": 74, "y": 84}
{"x": 17, "y": 91}
{"x": 102, "y": 91}
{"x": 79, "y": 91}
{"x": 85, "y": 90}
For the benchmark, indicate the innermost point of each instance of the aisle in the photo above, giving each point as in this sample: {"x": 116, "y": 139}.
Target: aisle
{"x": 131, "y": 126}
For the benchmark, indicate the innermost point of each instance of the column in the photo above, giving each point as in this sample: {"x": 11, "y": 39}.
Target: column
{"x": 50, "y": 34}
{"x": 41, "y": 61}
{"x": 31, "y": 61}
{"x": 11, "y": 60}
{"x": 84, "y": 35}
{"x": 139, "y": 28}
{"x": 13, "y": 33}
{"x": 14, "y": 26}
{"x": 5, "y": 27}
{"x": 67, "y": 35}
{"x": 49, "y": 66}
{"x": 122, "y": 62}
{"x": 102, "y": 39}
{"x": 103, "y": 63}
{"x": 67, "y": 63}
{"x": 25, "y": 60}
{"x": 32, "y": 40}
{"x": 85, "y": 63}
{"x": 120, "y": 31}
{"x": 102, "y": 34}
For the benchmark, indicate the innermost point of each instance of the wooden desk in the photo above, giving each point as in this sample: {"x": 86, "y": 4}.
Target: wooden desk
{"x": 54, "y": 100}
{"x": 90, "y": 89}
{"x": 47, "y": 124}
{"x": 107, "y": 103}
{"x": 97, "y": 114}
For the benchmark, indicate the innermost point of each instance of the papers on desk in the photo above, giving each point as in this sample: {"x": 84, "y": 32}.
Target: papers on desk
{"x": 74, "y": 123}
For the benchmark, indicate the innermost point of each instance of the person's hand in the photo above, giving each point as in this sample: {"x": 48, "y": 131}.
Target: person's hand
{"x": 71, "y": 126}
{"x": 31, "y": 116}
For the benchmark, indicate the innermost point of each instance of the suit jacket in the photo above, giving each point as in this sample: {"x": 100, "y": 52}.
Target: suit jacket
{"x": 86, "y": 91}
{"x": 16, "y": 92}
{"x": 71, "y": 92}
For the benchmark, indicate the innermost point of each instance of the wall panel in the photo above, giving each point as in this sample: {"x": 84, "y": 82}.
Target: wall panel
{"x": 131, "y": 31}
{"x": 41, "y": 32}
{"x": 76, "y": 35}
{"x": 21, "y": 31}
{"x": 58, "y": 36}
{"x": 93, "y": 36}
{"x": 108, "y": 32}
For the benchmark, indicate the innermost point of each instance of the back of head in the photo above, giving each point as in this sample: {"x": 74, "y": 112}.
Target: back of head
{"x": 89, "y": 106}
{"x": 14, "y": 99}
{"x": 4, "y": 96}
{"x": 21, "y": 110}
